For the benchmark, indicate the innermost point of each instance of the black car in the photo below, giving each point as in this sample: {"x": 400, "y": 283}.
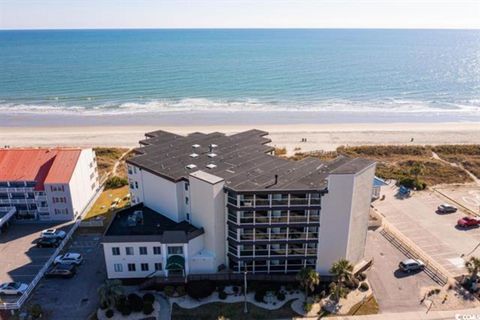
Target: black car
{"x": 48, "y": 242}
{"x": 61, "y": 271}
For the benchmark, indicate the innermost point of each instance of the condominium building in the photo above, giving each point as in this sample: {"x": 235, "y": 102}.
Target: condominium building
{"x": 205, "y": 203}
{"x": 47, "y": 184}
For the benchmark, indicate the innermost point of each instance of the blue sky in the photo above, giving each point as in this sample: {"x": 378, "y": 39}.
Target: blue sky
{"x": 54, "y": 14}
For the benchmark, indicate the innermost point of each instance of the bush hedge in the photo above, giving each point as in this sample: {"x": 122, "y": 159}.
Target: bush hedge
{"x": 222, "y": 295}
{"x": 280, "y": 296}
{"x": 364, "y": 286}
{"x": 180, "y": 291}
{"x": 260, "y": 296}
{"x": 147, "y": 308}
{"x": 200, "y": 289}
{"x": 109, "y": 313}
{"x": 361, "y": 276}
{"x": 115, "y": 182}
{"x": 135, "y": 302}
{"x": 148, "y": 297}
{"x": 169, "y": 291}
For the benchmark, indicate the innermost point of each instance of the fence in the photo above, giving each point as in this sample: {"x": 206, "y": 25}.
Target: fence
{"x": 410, "y": 250}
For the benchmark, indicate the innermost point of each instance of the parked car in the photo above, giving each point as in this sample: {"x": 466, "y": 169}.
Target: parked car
{"x": 53, "y": 233}
{"x": 61, "y": 271}
{"x": 409, "y": 265}
{"x": 12, "y": 288}
{"x": 467, "y": 222}
{"x": 446, "y": 208}
{"x": 69, "y": 258}
{"x": 48, "y": 242}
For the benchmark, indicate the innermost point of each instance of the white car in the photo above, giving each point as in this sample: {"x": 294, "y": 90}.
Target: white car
{"x": 69, "y": 258}
{"x": 409, "y": 265}
{"x": 53, "y": 233}
{"x": 13, "y": 288}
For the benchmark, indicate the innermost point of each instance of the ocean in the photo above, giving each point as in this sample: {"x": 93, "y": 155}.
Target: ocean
{"x": 326, "y": 75}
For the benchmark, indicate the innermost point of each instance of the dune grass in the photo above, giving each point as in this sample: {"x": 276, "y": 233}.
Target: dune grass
{"x": 104, "y": 201}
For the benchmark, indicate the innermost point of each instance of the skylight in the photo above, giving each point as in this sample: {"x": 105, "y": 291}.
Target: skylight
{"x": 191, "y": 166}
{"x": 195, "y": 146}
{"x": 211, "y": 155}
{"x": 211, "y": 166}
{"x": 193, "y": 155}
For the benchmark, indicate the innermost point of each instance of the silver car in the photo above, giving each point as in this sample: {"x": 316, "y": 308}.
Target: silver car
{"x": 409, "y": 265}
{"x": 446, "y": 208}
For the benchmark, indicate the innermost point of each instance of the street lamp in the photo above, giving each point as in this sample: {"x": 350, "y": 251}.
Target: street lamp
{"x": 245, "y": 308}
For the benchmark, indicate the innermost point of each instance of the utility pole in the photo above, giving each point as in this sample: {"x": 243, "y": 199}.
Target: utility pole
{"x": 245, "y": 308}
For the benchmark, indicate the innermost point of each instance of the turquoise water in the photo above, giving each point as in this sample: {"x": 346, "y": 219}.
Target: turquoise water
{"x": 157, "y": 71}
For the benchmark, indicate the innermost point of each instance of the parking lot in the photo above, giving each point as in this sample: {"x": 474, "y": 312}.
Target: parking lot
{"x": 20, "y": 259}
{"x": 436, "y": 234}
{"x": 74, "y": 298}
{"x": 395, "y": 291}
{"x": 467, "y": 196}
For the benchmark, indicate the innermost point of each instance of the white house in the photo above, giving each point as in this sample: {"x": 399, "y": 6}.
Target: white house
{"x": 211, "y": 202}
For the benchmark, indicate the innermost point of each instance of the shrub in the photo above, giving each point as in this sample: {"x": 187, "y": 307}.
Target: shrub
{"x": 352, "y": 284}
{"x": 109, "y": 313}
{"x": 281, "y": 296}
{"x": 180, "y": 291}
{"x": 220, "y": 288}
{"x": 120, "y": 302}
{"x": 135, "y": 302}
{"x": 36, "y": 311}
{"x": 361, "y": 276}
{"x": 222, "y": 295}
{"x": 235, "y": 289}
{"x": 364, "y": 286}
{"x": 412, "y": 183}
{"x": 169, "y": 291}
{"x": 115, "y": 182}
{"x": 147, "y": 308}
{"x": 307, "y": 306}
{"x": 148, "y": 297}
{"x": 200, "y": 289}
{"x": 260, "y": 296}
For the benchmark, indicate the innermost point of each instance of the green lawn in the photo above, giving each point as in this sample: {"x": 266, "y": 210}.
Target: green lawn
{"x": 232, "y": 311}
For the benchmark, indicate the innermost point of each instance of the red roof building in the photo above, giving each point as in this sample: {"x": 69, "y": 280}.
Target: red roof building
{"x": 39, "y": 165}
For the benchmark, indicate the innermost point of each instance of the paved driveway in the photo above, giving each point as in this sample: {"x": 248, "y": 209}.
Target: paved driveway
{"x": 434, "y": 233}
{"x": 395, "y": 291}
{"x": 75, "y": 298}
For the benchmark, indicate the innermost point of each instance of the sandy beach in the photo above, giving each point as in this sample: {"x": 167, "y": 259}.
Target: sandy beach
{"x": 319, "y": 136}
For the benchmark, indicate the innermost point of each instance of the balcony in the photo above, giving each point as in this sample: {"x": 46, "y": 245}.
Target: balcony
{"x": 41, "y": 198}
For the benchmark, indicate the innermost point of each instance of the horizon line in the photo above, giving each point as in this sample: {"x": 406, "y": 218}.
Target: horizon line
{"x": 241, "y": 28}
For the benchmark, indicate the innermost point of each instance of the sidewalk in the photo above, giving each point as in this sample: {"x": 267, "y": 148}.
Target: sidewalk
{"x": 419, "y": 315}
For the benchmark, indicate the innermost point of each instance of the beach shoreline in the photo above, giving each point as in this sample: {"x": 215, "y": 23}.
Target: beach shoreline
{"x": 325, "y": 137}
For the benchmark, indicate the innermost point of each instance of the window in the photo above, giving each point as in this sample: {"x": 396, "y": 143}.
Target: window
{"x": 136, "y": 185}
{"x": 129, "y": 251}
{"x": 188, "y": 216}
{"x": 118, "y": 267}
{"x": 135, "y": 170}
{"x": 116, "y": 251}
{"x": 175, "y": 250}
{"x": 130, "y": 170}
{"x": 143, "y": 250}
{"x": 158, "y": 266}
{"x": 186, "y": 186}
{"x": 131, "y": 267}
{"x": 144, "y": 266}
{"x": 157, "y": 250}
{"x": 186, "y": 200}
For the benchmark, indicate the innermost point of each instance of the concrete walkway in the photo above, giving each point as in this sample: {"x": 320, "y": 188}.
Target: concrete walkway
{"x": 420, "y": 315}
{"x": 165, "y": 310}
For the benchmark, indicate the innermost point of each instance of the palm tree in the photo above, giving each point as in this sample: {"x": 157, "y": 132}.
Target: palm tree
{"x": 473, "y": 267}
{"x": 109, "y": 292}
{"x": 342, "y": 270}
{"x": 308, "y": 279}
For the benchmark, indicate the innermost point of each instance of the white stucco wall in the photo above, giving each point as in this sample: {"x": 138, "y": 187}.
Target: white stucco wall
{"x": 334, "y": 221}
{"x": 360, "y": 211}
{"x": 208, "y": 211}
{"x": 84, "y": 182}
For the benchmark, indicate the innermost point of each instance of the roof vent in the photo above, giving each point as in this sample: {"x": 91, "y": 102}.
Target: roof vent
{"x": 193, "y": 155}
{"x": 211, "y": 147}
{"x": 191, "y": 166}
{"x": 135, "y": 218}
{"x": 195, "y": 146}
{"x": 211, "y": 166}
{"x": 212, "y": 155}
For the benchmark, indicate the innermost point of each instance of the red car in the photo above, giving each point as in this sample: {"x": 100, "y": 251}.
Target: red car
{"x": 467, "y": 222}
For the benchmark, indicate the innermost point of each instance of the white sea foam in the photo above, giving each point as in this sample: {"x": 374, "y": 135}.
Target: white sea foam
{"x": 249, "y": 105}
